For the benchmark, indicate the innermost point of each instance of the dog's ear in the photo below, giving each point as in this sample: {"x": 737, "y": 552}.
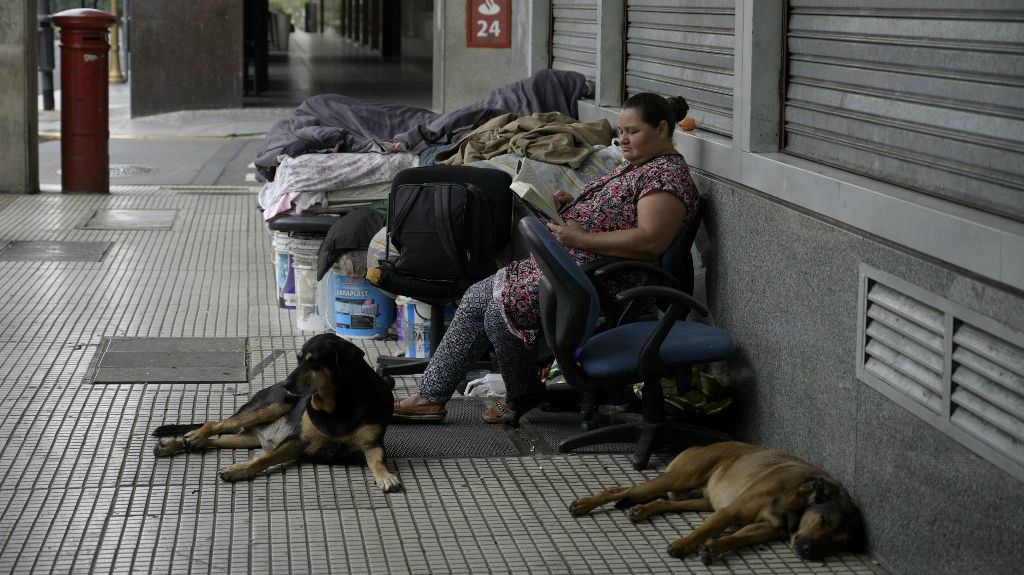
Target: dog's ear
{"x": 817, "y": 490}
{"x": 347, "y": 354}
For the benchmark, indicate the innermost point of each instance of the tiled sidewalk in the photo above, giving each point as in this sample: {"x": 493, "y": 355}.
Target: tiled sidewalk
{"x": 80, "y": 490}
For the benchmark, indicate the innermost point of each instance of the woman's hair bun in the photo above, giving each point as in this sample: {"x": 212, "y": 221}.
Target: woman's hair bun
{"x": 679, "y": 106}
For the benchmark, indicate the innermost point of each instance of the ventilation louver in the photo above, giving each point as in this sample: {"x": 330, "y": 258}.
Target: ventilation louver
{"x": 958, "y": 370}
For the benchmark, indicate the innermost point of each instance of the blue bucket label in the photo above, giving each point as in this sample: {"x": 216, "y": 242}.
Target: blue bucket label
{"x": 360, "y": 309}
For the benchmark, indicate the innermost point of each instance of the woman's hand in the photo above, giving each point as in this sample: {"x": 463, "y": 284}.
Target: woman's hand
{"x": 571, "y": 235}
{"x": 561, "y": 200}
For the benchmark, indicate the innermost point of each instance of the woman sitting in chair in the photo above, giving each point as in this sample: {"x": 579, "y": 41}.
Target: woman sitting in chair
{"x": 634, "y": 212}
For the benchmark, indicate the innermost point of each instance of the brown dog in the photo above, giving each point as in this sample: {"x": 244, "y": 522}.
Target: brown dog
{"x": 766, "y": 493}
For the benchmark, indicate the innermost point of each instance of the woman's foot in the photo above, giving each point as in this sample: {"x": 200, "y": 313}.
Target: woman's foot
{"x": 509, "y": 412}
{"x": 416, "y": 408}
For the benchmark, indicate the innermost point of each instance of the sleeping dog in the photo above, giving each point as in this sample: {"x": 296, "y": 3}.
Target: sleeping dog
{"x": 766, "y": 494}
{"x": 332, "y": 408}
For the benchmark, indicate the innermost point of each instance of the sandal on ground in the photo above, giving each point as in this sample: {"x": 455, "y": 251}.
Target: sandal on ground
{"x": 509, "y": 412}
{"x": 425, "y": 412}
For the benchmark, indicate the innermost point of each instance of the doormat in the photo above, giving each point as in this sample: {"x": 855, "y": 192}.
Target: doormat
{"x": 132, "y": 220}
{"x": 54, "y": 251}
{"x": 170, "y": 360}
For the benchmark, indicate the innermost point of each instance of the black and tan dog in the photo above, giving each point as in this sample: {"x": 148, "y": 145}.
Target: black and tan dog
{"x": 332, "y": 408}
{"x": 766, "y": 494}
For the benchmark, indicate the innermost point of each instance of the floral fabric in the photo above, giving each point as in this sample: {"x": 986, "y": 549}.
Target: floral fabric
{"x": 606, "y": 204}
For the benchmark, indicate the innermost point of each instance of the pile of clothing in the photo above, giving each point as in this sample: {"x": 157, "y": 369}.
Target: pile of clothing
{"x": 336, "y": 153}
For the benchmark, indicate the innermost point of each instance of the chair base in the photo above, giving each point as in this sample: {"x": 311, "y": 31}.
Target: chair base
{"x": 648, "y": 436}
{"x": 388, "y": 365}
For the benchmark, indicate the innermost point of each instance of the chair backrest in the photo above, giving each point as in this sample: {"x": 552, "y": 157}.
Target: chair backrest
{"x": 495, "y": 182}
{"x": 677, "y": 259}
{"x": 568, "y": 300}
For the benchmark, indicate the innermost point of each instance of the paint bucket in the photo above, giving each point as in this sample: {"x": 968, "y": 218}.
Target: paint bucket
{"x": 304, "y": 251}
{"x": 284, "y": 275}
{"x": 361, "y": 310}
{"x": 400, "y": 303}
{"x": 416, "y": 325}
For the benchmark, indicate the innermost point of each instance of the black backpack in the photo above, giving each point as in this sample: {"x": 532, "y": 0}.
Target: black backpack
{"x": 444, "y": 232}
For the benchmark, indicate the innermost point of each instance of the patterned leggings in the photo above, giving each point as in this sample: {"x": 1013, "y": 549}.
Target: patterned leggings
{"x": 477, "y": 321}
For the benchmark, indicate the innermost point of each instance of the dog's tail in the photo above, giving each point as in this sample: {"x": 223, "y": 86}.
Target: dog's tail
{"x": 175, "y": 430}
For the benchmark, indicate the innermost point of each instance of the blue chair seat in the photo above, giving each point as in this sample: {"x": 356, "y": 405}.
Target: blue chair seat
{"x": 617, "y": 351}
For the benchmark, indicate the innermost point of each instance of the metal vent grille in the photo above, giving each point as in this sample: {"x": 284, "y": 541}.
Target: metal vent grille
{"x": 988, "y": 389}
{"x": 958, "y": 370}
{"x": 904, "y": 345}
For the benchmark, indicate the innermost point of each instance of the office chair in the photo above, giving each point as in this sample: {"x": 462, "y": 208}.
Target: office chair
{"x": 644, "y": 350}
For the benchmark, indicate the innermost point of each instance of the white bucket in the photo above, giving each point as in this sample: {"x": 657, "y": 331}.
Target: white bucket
{"x": 281, "y": 261}
{"x": 416, "y": 324}
{"x": 304, "y": 253}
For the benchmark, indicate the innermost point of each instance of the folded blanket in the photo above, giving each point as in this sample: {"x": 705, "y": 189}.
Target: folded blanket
{"x": 302, "y": 182}
{"x": 549, "y": 137}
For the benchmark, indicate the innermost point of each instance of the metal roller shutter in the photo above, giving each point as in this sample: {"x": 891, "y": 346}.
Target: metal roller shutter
{"x": 574, "y": 36}
{"x": 927, "y": 95}
{"x": 684, "y": 48}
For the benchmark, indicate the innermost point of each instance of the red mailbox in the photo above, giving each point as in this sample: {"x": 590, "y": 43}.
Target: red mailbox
{"x": 84, "y": 100}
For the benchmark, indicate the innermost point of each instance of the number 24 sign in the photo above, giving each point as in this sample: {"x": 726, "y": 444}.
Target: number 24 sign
{"x": 488, "y": 23}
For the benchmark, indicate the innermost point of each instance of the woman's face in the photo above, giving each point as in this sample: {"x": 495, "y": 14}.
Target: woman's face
{"x": 640, "y": 141}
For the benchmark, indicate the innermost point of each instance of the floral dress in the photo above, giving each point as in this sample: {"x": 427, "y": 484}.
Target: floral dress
{"x": 606, "y": 204}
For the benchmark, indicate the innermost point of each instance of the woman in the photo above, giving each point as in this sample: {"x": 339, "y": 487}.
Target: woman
{"x": 634, "y": 212}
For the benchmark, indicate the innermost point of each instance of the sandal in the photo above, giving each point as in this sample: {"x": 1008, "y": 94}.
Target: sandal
{"x": 509, "y": 412}
{"x": 424, "y": 412}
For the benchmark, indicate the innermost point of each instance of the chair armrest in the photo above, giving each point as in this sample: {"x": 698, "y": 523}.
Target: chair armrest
{"x": 663, "y": 293}
{"x": 633, "y": 265}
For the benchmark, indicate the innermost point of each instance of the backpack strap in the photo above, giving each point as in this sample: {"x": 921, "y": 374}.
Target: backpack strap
{"x": 402, "y": 206}
{"x": 444, "y": 215}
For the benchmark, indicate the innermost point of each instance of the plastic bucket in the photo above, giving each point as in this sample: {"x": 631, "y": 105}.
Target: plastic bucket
{"x": 416, "y": 325}
{"x": 400, "y": 303}
{"x": 360, "y": 309}
{"x": 304, "y": 252}
{"x": 283, "y": 272}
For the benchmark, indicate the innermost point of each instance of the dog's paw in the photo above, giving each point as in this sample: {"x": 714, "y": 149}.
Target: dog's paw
{"x": 636, "y": 514}
{"x": 579, "y": 507}
{"x": 680, "y": 548}
{"x": 388, "y": 483}
{"x": 705, "y": 553}
{"x": 194, "y": 440}
{"x": 236, "y": 472}
{"x": 166, "y": 447}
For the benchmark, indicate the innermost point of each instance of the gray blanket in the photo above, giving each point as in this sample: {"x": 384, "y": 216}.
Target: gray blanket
{"x": 333, "y": 123}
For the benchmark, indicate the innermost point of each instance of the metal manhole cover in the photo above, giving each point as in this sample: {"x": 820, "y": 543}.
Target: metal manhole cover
{"x": 132, "y": 220}
{"x": 54, "y": 251}
{"x": 125, "y": 170}
{"x": 171, "y": 360}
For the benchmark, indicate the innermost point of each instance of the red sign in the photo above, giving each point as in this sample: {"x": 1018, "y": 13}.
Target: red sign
{"x": 488, "y": 23}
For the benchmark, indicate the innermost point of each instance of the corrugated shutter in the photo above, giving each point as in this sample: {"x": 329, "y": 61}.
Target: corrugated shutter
{"x": 924, "y": 94}
{"x": 574, "y": 36}
{"x": 958, "y": 370}
{"x": 684, "y": 48}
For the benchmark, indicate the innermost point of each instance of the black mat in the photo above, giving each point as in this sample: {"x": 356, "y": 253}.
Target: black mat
{"x": 462, "y": 435}
{"x": 170, "y": 360}
{"x": 557, "y": 426}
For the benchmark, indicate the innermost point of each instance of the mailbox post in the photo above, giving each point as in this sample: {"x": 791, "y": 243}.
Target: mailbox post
{"x": 84, "y": 100}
